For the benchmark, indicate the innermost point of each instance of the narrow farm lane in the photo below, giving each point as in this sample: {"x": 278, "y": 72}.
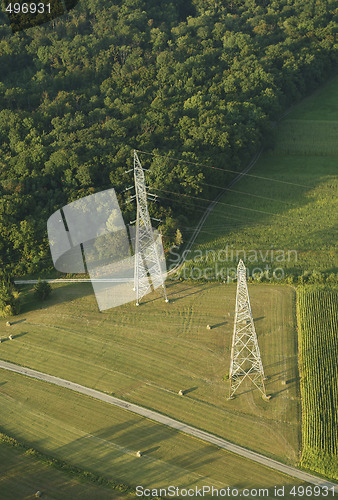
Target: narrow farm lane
{"x": 174, "y": 424}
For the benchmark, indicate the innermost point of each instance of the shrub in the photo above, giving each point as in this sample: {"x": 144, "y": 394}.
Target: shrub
{"x": 9, "y": 300}
{"x": 42, "y": 290}
{"x": 290, "y": 279}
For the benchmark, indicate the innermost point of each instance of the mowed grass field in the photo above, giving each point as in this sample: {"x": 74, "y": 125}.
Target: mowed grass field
{"x": 317, "y": 308}
{"x": 22, "y": 475}
{"x": 288, "y": 199}
{"x": 104, "y": 439}
{"x": 147, "y": 354}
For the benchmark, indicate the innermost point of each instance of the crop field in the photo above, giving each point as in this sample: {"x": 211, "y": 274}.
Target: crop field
{"x": 285, "y": 202}
{"x": 147, "y": 354}
{"x": 22, "y": 475}
{"x": 317, "y": 309}
{"x": 104, "y": 439}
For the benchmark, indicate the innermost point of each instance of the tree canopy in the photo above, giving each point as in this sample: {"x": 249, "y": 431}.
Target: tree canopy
{"x": 201, "y": 81}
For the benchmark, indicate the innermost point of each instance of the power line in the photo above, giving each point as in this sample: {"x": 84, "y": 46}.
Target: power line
{"x": 200, "y": 208}
{"x": 221, "y": 203}
{"x": 238, "y": 220}
{"x": 250, "y": 194}
{"x": 246, "y": 194}
{"x": 226, "y": 170}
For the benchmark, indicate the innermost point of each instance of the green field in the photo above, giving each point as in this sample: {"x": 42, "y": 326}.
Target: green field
{"x": 147, "y": 354}
{"x": 22, "y": 475}
{"x": 317, "y": 309}
{"x": 104, "y": 439}
{"x": 287, "y": 201}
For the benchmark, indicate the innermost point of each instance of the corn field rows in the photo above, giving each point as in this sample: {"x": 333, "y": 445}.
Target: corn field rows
{"x": 308, "y": 137}
{"x": 317, "y": 309}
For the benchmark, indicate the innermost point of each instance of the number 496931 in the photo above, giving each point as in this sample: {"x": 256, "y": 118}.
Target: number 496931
{"x": 312, "y": 491}
{"x": 28, "y": 8}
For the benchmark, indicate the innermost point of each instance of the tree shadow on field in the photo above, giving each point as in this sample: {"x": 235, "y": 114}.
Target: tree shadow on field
{"x": 130, "y": 436}
{"x": 291, "y": 186}
{"x": 116, "y": 429}
{"x": 246, "y": 390}
{"x": 206, "y": 455}
{"x": 113, "y": 452}
{"x": 295, "y": 379}
{"x": 209, "y": 458}
{"x": 61, "y": 293}
{"x": 114, "y": 448}
{"x": 281, "y": 362}
{"x": 146, "y": 437}
{"x": 195, "y": 290}
{"x": 159, "y": 296}
{"x": 288, "y": 384}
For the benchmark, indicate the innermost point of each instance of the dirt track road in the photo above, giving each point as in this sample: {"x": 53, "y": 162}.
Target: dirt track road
{"x": 174, "y": 424}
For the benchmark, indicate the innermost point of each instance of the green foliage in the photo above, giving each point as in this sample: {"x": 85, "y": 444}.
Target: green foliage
{"x": 196, "y": 80}
{"x": 317, "y": 311}
{"x": 42, "y": 290}
{"x": 283, "y": 209}
{"x": 9, "y": 300}
{"x": 58, "y": 464}
{"x": 178, "y": 238}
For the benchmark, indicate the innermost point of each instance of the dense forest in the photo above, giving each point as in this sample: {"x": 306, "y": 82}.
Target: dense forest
{"x": 201, "y": 81}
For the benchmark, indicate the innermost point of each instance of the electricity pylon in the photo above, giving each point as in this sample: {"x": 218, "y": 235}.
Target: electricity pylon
{"x": 245, "y": 355}
{"x": 147, "y": 258}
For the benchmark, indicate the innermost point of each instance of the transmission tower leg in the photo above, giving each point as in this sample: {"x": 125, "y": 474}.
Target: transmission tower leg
{"x": 147, "y": 260}
{"x": 246, "y": 362}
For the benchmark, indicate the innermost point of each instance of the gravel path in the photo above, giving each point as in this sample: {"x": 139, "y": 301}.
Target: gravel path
{"x": 174, "y": 424}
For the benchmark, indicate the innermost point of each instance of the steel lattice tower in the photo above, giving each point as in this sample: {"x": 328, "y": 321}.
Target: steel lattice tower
{"x": 147, "y": 258}
{"x": 245, "y": 355}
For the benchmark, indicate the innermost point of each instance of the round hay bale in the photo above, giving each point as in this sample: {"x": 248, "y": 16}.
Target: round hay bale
{"x": 10, "y": 337}
{"x": 38, "y": 494}
{"x": 139, "y": 454}
{"x": 284, "y": 382}
{"x": 180, "y": 392}
{"x": 209, "y": 327}
{"x": 8, "y": 323}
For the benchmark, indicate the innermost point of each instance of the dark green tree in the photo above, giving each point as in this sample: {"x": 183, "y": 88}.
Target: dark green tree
{"x": 42, "y": 290}
{"x": 9, "y": 300}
